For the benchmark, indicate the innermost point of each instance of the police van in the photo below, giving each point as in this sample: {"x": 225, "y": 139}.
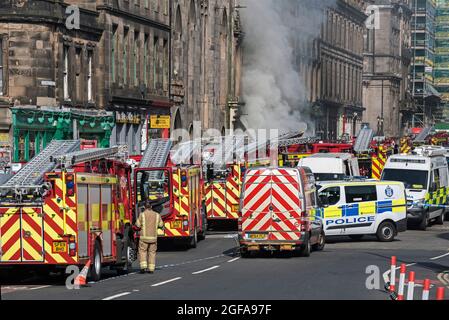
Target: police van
{"x": 358, "y": 208}
{"x": 426, "y": 178}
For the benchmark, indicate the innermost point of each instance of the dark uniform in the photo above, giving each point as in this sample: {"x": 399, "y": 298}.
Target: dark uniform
{"x": 149, "y": 222}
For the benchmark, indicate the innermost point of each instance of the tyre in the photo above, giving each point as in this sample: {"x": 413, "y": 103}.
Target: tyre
{"x": 424, "y": 222}
{"x": 319, "y": 246}
{"x": 356, "y": 237}
{"x": 306, "y": 248}
{"x": 386, "y": 232}
{"x": 245, "y": 253}
{"x": 441, "y": 218}
{"x": 95, "y": 269}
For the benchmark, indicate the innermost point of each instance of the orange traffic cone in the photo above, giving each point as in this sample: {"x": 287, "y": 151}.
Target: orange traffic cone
{"x": 81, "y": 279}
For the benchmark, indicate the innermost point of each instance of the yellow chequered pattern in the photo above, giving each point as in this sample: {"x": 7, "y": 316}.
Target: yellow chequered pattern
{"x": 439, "y": 197}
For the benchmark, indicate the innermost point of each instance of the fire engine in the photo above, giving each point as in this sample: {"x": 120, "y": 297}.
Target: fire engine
{"x": 175, "y": 191}
{"x": 66, "y": 207}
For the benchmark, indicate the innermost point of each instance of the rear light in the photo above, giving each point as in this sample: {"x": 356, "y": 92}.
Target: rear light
{"x": 72, "y": 246}
{"x": 70, "y": 185}
{"x": 185, "y": 225}
{"x": 183, "y": 179}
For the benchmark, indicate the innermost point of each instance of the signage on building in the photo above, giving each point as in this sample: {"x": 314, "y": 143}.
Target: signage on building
{"x": 48, "y": 83}
{"x": 4, "y": 138}
{"x": 127, "y": 117}
{"x": 160, "y": 122}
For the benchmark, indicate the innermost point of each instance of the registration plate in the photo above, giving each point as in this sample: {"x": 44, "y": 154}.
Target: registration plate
{"x": 59, "y": 246}
{"x": 176, "y": 224}
{"x": 257, "y": 236}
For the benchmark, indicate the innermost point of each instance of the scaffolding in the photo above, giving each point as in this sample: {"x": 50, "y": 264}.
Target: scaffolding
{"x": 441, "y": 72}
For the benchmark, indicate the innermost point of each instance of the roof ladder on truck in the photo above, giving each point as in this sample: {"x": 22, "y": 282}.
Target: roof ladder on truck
{"x": 156, "y": 156}
{"x": 30, "y": 177}
{"x": 363, "y": 142}
{"x": 71, "y": 159}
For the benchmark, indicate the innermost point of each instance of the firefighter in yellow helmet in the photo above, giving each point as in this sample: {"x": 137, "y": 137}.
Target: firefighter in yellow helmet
{"x": 148, "y": 222}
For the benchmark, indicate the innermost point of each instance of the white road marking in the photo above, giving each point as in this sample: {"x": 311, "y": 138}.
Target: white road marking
{"x": 205, "y": 270}
{"x": 439, "y": 257}
{"x": 117, "y": 296}
{"x": 41, "y": 287}
{"x": 235, "y": 259}
{"x": 165, "y": 282}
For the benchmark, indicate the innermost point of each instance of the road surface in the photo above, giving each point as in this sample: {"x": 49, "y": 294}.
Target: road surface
{"x": 214, "y": 270}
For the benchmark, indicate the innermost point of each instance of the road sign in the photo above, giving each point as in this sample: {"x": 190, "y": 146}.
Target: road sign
{"x": 160, "y": 122}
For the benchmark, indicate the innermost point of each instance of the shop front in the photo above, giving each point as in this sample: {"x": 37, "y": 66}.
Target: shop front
{"x": 33, "y": 128}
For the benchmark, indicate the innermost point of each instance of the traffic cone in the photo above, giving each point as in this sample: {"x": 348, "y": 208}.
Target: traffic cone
{"x": 402, "y": 282}
{"x": 426, "y": 289}
{"x": 393, "y": 274}
{"x": 81, "y": 279}
{"x": 440, "y": 293}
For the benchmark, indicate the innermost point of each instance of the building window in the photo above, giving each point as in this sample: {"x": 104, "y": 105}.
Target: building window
{"x": 114, "y": 52}
{"x": 66, "y": 73}
{"x": 125, "y": 56}
{"x": 89, "y": 76}
{"x": 165, "y": 7}
{"x": 78, "y": 82}
{"x": 145, "y": 60}
{"x": 135, "y": 57}
{"x": 155, "y": 62}
{"x": 165, "y": 66}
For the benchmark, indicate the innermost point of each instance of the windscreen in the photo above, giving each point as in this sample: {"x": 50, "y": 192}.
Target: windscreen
{"x": 154, "y": 186}
{"x": 412, "y": 179}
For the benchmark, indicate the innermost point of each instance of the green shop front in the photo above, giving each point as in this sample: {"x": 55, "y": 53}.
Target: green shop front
{"x": 33, "y": 128}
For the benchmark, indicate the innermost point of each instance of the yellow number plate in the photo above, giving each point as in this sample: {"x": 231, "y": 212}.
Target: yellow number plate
{"x": 59, "y": 246}
{"x": 176, "y": 224}
{"x": 258, "y": 236}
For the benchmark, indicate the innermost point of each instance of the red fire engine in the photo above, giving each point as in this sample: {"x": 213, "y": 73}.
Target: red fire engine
{"x": 66, "y": 207}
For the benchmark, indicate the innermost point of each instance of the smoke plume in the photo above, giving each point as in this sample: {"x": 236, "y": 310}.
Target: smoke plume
{"x": 277, "y": 32}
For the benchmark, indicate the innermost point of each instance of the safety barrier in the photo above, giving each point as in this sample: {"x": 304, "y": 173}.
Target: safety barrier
{"x": 411, "y": 284}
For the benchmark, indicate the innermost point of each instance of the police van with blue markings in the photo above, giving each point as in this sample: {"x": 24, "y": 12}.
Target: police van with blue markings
{"x": 359, "y": 208}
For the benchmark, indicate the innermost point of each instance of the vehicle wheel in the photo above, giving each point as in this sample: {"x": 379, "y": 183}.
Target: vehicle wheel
{"x": 95, "y": 270}
{"x": 441, "y": 218}
{"x": 386, "y": 231}
{"x": 319, "y": 246}
{"x": 424, "y": 223}
{"x": 356, "y": 237}
{"x": 245, "y": 253}
{"x": 194, "y": 238}
{"x": 202, "y": 235}
{"x": 306, "y": 248}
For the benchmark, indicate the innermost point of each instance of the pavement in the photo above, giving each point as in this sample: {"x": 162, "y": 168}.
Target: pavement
{"x": 215, "y": 271}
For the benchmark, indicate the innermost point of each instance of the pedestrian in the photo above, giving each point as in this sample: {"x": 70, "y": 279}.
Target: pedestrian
{"x": 148, "y": 222}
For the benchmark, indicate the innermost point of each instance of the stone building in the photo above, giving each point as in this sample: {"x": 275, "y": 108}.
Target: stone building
{"x": 387, "y": 53}
{"x": 90, "y": 69}
{"x": 206, "y": 58}
{"x": 333, "y": 70}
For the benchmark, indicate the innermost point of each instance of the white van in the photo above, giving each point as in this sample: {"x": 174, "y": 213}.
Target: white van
{"x": 332, "y": 166}
{"x": 426, "y": 179}
{"x": 358, "y": 208}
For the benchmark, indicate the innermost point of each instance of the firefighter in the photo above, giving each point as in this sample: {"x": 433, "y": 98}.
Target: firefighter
{"x": 148, "y": 222}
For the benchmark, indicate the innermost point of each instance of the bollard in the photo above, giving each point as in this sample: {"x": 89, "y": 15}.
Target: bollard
{"x": 411, "y": 285}
{"x": 440, "y": 293}
{"x": 393, "y": 274}
{"x": 402, "y": 282}
{"x": 426, "y": 289}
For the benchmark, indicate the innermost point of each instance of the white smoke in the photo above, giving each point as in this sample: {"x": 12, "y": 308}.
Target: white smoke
{"x": 275, "y": 33}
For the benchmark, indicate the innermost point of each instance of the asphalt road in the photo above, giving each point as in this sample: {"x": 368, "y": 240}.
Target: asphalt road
{"x": 214, "y": 270}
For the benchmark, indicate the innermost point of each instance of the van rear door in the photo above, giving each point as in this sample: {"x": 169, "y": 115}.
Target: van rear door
{"x": 272, "y": 207}
{"x": 286, "y": 205}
